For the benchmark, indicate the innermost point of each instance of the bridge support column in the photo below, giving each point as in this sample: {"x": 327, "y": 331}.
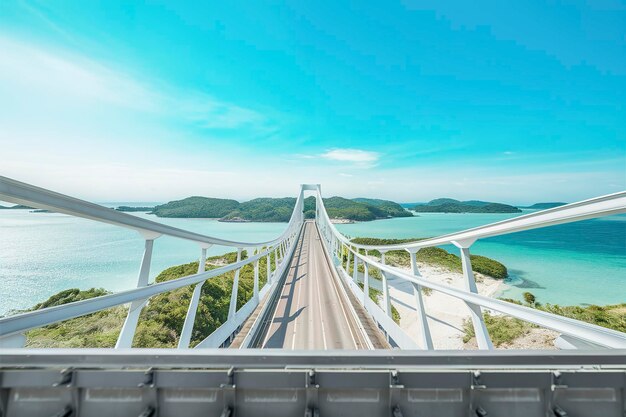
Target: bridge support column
{"x": 427, "y": 341}
{"x": 125, "y": 339}
{"x": 232, "y": 308}
{"x": 480, "y": 329}
{"x": 386, "y": 298}
{"x": 190, "y": 318}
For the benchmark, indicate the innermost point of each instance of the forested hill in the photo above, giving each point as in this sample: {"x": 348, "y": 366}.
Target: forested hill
{"x": 279, "y": 209}
{"x": 449, "y": 205}
{"x": 196, "y": 207}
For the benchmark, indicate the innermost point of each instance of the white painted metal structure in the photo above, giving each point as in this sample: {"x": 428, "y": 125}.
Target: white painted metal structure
{"x": 577, "y": 333}
{"x": 414, "y": 381}
{"x": 11, "y": 328}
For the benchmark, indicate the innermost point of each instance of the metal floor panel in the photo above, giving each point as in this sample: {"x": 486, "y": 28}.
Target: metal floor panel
{"x": 290, "y": 384}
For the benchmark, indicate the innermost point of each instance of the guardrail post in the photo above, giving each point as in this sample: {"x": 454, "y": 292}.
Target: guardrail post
{"x": 480, "y": 329}
{"x": 256, "y": 280}
{"x": 275, "y": 260}
{"x": 422, "y": 320}
{"x": 386, "y": 298}
{"x": 232, "y": 308}
{"x": 355, "y": 267}
{"x": 366, "y": 284}
{"x": 268, "y": 267}
{"x": 190, "y": 318}
{"x": 348, "y": 260}
{"x": 125, "y": 339}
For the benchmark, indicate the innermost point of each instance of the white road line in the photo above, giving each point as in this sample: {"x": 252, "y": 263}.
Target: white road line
{"x": 334, "y": 285}
{"x": 295, "y": 321}
{"x": 319, "y": 303}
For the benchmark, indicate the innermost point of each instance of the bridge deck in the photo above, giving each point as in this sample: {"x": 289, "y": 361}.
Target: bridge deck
{"x": 313, "y": 311}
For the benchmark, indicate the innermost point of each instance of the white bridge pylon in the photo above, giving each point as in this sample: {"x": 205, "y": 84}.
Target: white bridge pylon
{"x": 575, "y": 334}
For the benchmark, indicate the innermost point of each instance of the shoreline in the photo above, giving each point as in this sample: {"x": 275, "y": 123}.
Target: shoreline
{"x": 447, "y": 314}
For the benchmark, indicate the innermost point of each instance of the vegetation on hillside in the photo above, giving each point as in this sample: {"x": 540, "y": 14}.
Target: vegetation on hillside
{"x": 264, "y": 210}
{"x": 449, "y": 205}
{"x": 277, "y": 209}
{"x": 161, "y": 321}
{"x": 389, "y": 207}
{"x": 203, "y": 207}
{"x": 504, "y": 329}
{"x": 358, "y": 209}
{"x": 434, "y": 256}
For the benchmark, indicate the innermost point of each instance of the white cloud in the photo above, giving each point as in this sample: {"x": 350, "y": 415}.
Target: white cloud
{"x": 42, "y": 81}
{"x": 351, "y": 155}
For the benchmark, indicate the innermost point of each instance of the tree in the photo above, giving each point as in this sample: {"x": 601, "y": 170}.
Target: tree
{"x": 529, "y": 298}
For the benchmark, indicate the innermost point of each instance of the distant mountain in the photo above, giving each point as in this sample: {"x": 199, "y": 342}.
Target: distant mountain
{"x": 450, "y": 205}
{"x": 203, "y": 207}
{"x": 279, "y": 209}
{"x": 543, "y": 206}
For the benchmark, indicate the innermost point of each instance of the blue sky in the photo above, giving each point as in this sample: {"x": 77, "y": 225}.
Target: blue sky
{"x": 410, "y": 101}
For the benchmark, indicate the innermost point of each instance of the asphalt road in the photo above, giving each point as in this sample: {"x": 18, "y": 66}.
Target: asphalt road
{"x": 313, "y": 311}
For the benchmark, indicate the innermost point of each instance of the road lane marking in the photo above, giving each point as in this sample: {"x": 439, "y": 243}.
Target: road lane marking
{"x": 319, "y": 303}
{"x": 295, "y": 321}
{"x": 334, "y": 285}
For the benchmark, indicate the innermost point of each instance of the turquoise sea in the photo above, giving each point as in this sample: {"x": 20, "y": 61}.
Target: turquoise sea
{"x": 43, "y": 253}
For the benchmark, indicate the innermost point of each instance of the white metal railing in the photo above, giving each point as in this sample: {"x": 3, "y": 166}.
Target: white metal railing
{"x": 590, "y": 333}
{"x": 13, "y": 327}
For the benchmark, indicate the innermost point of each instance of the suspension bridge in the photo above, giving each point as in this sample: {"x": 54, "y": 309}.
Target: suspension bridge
{"x": 311, "y": 341}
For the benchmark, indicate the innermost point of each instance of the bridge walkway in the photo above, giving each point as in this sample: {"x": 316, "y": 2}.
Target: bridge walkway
{"x": 314, "y": 310}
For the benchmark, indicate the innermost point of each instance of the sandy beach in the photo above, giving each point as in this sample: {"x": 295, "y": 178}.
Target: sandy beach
{"x": 446, "y": 314}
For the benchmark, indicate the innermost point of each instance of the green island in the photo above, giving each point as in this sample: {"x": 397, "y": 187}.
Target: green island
{"x": 450, "y": 205}
{"x": 279, "y": 209}
{"x": 204, "y": 207}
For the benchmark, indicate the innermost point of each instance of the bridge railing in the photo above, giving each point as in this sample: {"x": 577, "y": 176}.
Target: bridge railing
{"x": 591, "y": 335}
{"x": 13, "y": 327}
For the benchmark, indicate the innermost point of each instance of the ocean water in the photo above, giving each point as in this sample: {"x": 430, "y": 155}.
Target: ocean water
{"x": 575, "y": 263}
{"x": 44, "y": 253}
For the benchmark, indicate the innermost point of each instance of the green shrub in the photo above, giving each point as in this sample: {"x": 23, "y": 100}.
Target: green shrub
{"x": 502, "y": 329}
{"x": 434, "y": 256}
